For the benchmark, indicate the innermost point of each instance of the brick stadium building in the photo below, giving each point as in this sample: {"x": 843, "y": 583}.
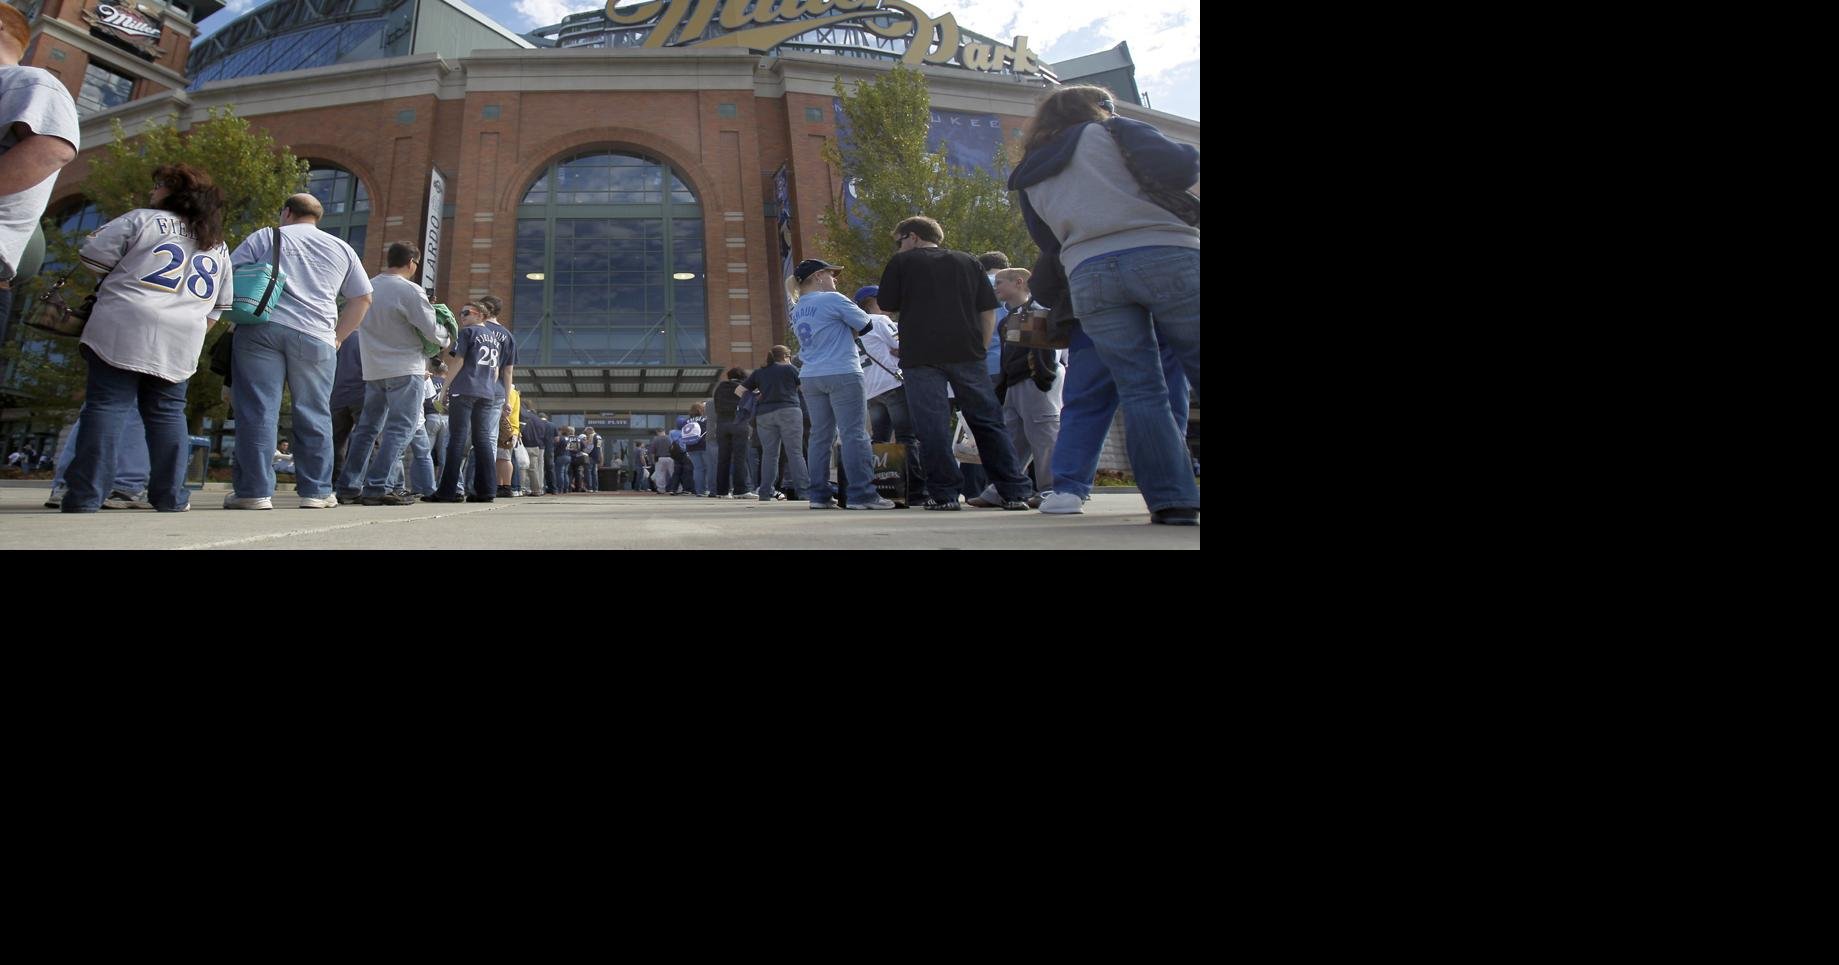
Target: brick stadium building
{"x": 616, "y": 177}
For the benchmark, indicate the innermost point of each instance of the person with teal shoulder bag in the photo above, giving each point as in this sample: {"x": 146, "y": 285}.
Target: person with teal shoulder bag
{"x": 296, "y": 348}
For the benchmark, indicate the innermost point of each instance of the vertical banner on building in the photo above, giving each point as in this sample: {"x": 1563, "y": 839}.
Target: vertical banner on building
{"x": 971, "y": 142}
{"x": 782, "y": 196}
{"x": 431, "y": 244}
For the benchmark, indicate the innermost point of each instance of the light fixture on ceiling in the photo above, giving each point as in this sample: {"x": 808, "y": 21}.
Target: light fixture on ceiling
{"x": 684, "y": 276}
{"x": 535, "y": 276}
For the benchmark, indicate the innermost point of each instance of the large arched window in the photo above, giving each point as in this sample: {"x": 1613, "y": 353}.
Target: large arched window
{"x": 346, "y": 202}
{"x": 610, "y": 266}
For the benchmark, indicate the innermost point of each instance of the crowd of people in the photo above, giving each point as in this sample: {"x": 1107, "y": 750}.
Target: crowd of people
{"x": 390, "y": 406}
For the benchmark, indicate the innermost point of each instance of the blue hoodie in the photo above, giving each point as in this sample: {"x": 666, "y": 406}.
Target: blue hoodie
{"x": 1079, "y": 201}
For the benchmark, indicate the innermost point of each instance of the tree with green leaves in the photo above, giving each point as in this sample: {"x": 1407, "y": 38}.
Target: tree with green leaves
{"x": 882, "y": 155}
{"x": 256, "y": 176}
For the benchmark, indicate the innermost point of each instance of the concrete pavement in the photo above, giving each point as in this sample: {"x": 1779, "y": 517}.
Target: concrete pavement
{"x": 622, "y": 520}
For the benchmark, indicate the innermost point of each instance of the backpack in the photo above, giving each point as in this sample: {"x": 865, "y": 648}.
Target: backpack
{"x": 695, "y": 438}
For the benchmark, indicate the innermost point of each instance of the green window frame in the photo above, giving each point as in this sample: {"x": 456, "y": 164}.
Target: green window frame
{"x": 602, "y": 237}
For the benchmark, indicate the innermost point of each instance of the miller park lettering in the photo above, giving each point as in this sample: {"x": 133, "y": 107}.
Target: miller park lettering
{"x": 930, "y": 40}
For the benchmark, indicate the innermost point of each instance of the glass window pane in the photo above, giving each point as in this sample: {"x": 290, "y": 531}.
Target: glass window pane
{"x": 103, "y": 89}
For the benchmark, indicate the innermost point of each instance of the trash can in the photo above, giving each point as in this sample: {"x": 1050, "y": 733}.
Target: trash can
{"x": 197, "y": 467}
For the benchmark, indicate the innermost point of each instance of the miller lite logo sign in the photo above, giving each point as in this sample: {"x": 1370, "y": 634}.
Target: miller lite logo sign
{"x": 124, "y": 27}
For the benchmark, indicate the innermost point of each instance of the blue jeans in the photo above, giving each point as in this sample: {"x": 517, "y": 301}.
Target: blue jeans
{"x": 933, "y": 424}
{"x": 472, "y": 422}
{"x": 839, "y": 411}
{"x": 421, "y": 463}
{"x": 131, "y": 460}
{"x": 436, "y": 429}
{"x": 110, "y": 395}
{"x": 702, "y": 475}
{"x": 782, "y": 429}
{"x": 1089, "y": 400}
{"x": 1127, "y": 303}
{"x": 389, "y": 411}
{"x": 267, "y": 356}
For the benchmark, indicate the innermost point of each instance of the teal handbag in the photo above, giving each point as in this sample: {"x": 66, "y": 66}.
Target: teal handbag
{"x": 257, "y": 288}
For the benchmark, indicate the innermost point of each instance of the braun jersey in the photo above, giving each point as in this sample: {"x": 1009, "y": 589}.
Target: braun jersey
{"x": 157, "y": 295}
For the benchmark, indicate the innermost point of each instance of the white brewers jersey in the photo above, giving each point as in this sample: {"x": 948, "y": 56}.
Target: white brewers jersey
{"x": 158, "y": 295}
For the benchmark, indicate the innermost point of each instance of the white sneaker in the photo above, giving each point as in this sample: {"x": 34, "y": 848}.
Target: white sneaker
{"x": 328, "y": 501}
{"x": 1061, "y": 504}
{"x": 746, "y": 495}
{"x": 233, "y": 501}
{"x": 56, "y": 499}
{"x": 879, "y": 503}
{"x": 120, "y": 500}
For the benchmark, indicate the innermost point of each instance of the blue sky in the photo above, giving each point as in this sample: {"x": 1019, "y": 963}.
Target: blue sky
{"x": 1164, "y": 35}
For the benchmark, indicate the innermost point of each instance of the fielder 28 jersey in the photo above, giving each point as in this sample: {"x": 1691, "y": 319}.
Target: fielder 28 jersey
{"x": 157, "y": 295}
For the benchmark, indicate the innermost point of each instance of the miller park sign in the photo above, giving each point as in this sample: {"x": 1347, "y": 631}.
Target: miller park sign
{"x": 766, "y": 24}
{"x": 125, "y": 28}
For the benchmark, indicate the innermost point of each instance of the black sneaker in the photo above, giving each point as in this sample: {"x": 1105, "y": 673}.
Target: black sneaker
{"x": 351, "y": 496}
{"x": 400, "y": 497}
{"x": 478, "y": 499}
{"x": 504, "y": 492}
{"x": 1015, "y": 504}
{"x": 1178, "y": 516}
{"x": 438, "y": 498}
{"x": 951, "y": 507}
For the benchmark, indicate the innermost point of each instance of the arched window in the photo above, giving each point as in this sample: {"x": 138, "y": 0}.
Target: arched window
{"x": 610, "y": 266}
{"x": 346, "y": 201}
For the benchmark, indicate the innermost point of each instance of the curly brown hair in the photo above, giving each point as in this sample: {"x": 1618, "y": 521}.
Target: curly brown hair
{"x": 193, "y": 196}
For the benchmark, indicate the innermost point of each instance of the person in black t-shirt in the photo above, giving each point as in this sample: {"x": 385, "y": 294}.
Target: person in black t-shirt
{"x": 947, "y": 313}
{"x": 731, "y": 440}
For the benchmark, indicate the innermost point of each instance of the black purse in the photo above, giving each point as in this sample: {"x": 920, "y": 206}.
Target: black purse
{"x": 52, "y": 313}
{"x": 223, "y": 355}
{"x": 1179, "y": 202}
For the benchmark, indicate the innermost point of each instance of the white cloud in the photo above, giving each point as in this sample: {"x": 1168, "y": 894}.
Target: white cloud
{"x": 236, "y": 8}
{"x": 542, "y": 13}
{"x": 1164, "y": 35}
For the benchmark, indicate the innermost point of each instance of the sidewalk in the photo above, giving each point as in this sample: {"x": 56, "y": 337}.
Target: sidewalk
{"x": 623, "y": 520}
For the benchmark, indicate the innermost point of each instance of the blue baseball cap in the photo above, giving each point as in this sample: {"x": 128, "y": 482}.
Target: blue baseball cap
{"x": 867, "y": 291}
{"x": 811, "y": 266}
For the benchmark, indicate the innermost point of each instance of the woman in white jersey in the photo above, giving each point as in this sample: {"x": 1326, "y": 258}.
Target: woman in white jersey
{"x": 165, "y": 280}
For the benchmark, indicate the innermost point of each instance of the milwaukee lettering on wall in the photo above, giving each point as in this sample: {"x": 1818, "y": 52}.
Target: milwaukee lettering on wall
{"x": 125, "y": 27}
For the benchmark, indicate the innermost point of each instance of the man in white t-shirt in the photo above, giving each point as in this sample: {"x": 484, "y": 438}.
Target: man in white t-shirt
{"x": 38, "y": 136}
{"x": 297, "y": 347}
